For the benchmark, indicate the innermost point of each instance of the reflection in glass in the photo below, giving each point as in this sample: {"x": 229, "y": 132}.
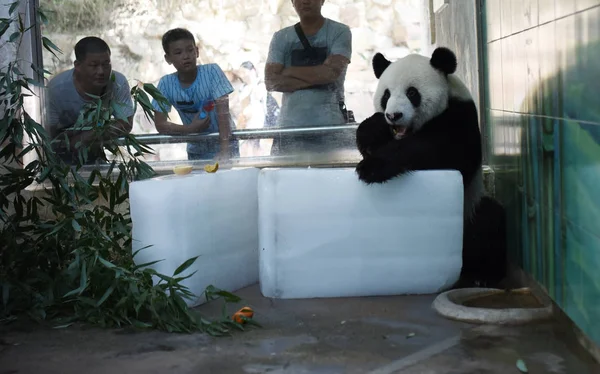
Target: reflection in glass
{"x": 237, "y": 39}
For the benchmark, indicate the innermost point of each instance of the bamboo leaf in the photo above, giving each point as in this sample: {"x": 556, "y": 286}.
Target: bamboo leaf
{"x": 5, "y": 294}
{"x": 106, "y": 263}
{"x": 4, "y": 26}
{"x": 42, "y": 16}
{"x": 13, "y": 7}
{"x": 185, "y": 265}
{"x": 106, "y": 295}
{"x": 76, "y": 225}
{"x": 50, "y": 47}
{"x": 14, "y": 36}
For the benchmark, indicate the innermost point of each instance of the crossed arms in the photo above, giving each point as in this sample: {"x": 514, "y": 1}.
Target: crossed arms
{"x": 293, "y": 78}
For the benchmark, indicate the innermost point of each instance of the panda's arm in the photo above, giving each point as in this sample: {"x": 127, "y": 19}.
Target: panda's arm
{"x": 405, "y": 155}
{"x": 276, "y": 81}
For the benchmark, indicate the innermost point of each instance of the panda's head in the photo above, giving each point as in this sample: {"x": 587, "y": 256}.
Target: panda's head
{"x": 414, "y": 89}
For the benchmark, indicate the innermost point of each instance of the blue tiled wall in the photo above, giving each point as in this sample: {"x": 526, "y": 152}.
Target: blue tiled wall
{"x": 542, "y": 105}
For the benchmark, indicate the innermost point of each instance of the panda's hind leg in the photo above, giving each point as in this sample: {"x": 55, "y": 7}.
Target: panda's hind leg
{"x": 485, "y": 261}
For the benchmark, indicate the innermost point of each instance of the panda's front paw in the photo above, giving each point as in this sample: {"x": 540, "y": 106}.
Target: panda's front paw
{"x": 373, "y": 170}
{"x": 373, "y": 133}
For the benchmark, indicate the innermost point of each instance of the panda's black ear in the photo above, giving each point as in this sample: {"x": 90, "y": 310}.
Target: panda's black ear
{"x": 380, "y": 63}
{"x": 444, "y": 59}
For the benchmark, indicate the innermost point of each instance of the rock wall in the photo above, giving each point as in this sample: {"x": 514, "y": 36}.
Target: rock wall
{"x": 229, "y": 33}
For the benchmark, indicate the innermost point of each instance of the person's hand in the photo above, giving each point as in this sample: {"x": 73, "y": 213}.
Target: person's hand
{"x": 199, "y": 124}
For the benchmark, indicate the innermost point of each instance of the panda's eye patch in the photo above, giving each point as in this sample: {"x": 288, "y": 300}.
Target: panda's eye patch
{"x": 414, "y": 96}
{"x": 385, "y": 98}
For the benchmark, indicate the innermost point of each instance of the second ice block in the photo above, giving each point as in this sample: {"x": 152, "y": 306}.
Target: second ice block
{"x": 323, "y": 233}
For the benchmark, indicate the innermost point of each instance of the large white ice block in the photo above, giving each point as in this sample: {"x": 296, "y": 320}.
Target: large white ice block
{"x": 213, "y": 216}
{"x": 323, "y": 233}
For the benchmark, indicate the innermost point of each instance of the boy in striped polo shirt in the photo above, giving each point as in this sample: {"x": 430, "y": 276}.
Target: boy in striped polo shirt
{"x": 199, "y": 93}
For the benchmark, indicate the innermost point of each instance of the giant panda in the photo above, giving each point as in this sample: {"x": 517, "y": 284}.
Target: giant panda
{"x": 426, "y": 119}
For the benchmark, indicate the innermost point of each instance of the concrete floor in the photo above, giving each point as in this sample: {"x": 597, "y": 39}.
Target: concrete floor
{"x": 357, "y": 335}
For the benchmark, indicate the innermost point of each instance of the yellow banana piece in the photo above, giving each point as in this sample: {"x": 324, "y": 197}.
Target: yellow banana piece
{"x": 211, "y": 168}
{"x": 182, "y": 169}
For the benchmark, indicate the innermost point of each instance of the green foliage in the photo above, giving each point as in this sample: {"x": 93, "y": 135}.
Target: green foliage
{"x": 75, "y": 263}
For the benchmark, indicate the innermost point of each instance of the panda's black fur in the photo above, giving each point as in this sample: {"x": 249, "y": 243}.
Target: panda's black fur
{"x": 438, "y": 126}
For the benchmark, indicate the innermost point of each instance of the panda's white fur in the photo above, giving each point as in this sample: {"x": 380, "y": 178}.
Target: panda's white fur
{"x": 412, "y": 70}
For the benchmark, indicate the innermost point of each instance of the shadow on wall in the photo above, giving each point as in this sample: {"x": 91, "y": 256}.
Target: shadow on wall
{"x": 559, "y": 173}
